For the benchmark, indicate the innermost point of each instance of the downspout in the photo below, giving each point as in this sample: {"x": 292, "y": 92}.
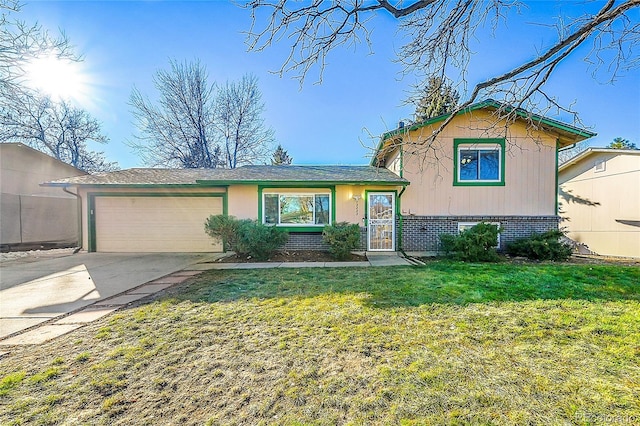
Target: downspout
{"x": 79, "y": 208}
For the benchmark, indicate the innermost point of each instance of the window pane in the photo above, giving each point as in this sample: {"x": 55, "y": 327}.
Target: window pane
{"x": 296, "y": 209}
{"x": 489, "y": 165}
{"x": 468, "y": 164}
{"x": 271, "y": 208}
{"x": 322, "y": 209}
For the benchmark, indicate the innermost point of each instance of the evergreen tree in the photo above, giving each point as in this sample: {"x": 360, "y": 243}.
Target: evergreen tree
{"x": 620, "y": 143}
{"x": 280, "y": 157}
{"x": 437, "y": 98}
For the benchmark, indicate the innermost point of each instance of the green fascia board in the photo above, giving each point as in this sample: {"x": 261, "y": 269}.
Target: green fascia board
{"x": 131, "y": 185}
{"x": 489, "y": 103}
{"x": 300, "y": 183}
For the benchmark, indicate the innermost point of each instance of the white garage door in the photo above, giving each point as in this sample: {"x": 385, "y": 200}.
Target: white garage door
{"x": 155, "y": 224}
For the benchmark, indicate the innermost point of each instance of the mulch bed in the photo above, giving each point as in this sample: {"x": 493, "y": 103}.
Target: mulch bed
{"x": 293, "y": 256}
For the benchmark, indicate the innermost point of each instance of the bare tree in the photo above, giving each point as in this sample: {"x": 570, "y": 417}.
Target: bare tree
{"x": 245, "y": 137}
{"x": 20, "y": 42}
{"x": 56, "y": 128}
{"x": 179, "y": 129}
{"x": 568, "y": 153}
{"x": 439, "y": 34}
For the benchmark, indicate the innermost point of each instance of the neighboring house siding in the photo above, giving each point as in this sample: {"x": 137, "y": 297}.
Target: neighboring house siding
{"x": 31, "y": 214}
{"x": 602, "y": 208}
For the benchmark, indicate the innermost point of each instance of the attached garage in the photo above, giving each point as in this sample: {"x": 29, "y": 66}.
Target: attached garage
{"x": 152, "y": 222}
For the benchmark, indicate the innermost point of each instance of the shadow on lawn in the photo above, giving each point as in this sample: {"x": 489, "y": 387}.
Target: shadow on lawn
{"x": 441, "y": 282}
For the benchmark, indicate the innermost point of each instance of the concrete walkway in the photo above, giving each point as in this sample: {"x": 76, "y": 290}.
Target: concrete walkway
{"x": 39, "y": 329}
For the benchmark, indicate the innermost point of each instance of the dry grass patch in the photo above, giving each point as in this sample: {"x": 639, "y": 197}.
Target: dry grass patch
{"x": 450, "y": 343}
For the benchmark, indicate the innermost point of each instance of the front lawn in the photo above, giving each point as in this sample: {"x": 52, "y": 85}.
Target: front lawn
{"x": 450, "y": 343}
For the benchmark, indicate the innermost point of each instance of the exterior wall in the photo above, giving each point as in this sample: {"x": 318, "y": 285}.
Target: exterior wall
{"x": 529, "y": 172}
{"x": 243, "y": 201}
{"x": 351, "y": 210}
{"x": 602, "y": 208}
{"x": 29, "y": 213}
{"x": 422, "y": 233}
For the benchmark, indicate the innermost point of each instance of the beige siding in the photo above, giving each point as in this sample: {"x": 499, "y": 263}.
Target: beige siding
{"x": 530, "y": 185}
{"x": 594, "y": 204}
{"x": 243, "y": 201}
{"x": 352, "y": 211}
{"x": 155, "y": 224}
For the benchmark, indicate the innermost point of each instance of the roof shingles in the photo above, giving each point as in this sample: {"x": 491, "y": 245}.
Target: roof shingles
{"x": 246, "y": 174}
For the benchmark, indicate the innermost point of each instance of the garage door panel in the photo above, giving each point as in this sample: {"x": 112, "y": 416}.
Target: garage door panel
{"x": 155, "y": 224}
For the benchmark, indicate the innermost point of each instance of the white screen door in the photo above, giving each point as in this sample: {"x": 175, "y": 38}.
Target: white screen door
{"x": 381, "y": 230}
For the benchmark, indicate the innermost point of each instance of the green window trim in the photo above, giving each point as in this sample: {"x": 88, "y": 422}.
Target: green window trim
{"x": 304, "y": 190}
{"x": 460, "y": 143}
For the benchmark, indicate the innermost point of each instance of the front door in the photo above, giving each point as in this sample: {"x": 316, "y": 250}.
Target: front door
{"x": 381, "y": 230}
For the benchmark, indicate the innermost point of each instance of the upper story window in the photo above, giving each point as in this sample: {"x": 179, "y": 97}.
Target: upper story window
{"x": 600, "y": 166}
{"x": 297, "y": 209}
{"x": 478, "y": 162}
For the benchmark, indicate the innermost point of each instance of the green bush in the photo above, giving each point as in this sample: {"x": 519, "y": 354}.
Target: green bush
{"x": 246, "y": 237}
{"x": 342, "y": 238}
{"x": 546, "y": 246}
{"x": 261, "y": 241}
{"x": 476, "y": 244}
{"x": 226, "y": 228}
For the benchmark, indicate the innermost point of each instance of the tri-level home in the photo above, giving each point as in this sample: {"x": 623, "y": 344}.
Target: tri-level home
{"x": 481, "y": 167}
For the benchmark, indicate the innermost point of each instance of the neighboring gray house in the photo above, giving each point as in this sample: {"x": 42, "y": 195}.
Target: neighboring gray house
{"x": 32, "y": 215}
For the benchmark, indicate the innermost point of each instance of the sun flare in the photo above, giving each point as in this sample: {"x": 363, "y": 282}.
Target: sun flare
{"x": 59, "y": 78}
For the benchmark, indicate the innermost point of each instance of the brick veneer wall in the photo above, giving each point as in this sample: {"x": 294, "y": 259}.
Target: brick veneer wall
{"x": 422, "y": 233}
{"x": 313, "y": 241}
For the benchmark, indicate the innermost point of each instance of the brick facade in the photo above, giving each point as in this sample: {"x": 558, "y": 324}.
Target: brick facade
{"x": 422, "y": 233}
{"x": 313, "y": 241}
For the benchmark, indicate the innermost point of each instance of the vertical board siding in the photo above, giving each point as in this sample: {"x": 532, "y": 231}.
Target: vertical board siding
{"x": 529, "y": 188}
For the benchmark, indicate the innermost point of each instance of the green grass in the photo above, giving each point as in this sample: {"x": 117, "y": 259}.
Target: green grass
{"x": 450, "y": 343}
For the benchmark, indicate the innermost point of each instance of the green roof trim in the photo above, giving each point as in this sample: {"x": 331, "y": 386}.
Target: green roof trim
{"x": 489, "y": 103}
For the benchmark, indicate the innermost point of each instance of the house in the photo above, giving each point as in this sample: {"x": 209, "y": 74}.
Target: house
{"x": 399, "y": 204}
{"x": 600, "y": 200}
{"x": 32, "y": 215}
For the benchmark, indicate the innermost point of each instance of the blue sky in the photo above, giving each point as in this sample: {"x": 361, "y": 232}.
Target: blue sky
{"x": 362, "y": 94}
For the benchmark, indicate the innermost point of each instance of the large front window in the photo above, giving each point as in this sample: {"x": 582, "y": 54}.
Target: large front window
{"x": 297, "y": 209}
{"x": 479, "y": 162}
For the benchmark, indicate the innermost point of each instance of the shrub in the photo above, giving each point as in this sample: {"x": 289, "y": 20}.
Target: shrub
{"x": 246, "y": 237}
{"x": 476, "y": 244}
{"x": 225, "y": 228}
{"x": 342, "y": 238}
{"x": 260, "y": 241}
{"x": 546, "y": 246}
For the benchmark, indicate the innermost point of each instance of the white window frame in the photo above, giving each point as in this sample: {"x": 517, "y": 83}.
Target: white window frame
{"x": 479, "y": 146}
{"x": 600, "y": 166}
{"x": 296, "y": 194}
{"x": 466, "y": 225}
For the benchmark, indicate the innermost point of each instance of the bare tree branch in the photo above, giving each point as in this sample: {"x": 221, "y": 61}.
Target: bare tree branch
{"x": 440, "y": 34}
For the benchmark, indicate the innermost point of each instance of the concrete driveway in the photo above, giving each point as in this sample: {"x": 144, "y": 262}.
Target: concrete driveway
{"x": 33, "y": 291}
